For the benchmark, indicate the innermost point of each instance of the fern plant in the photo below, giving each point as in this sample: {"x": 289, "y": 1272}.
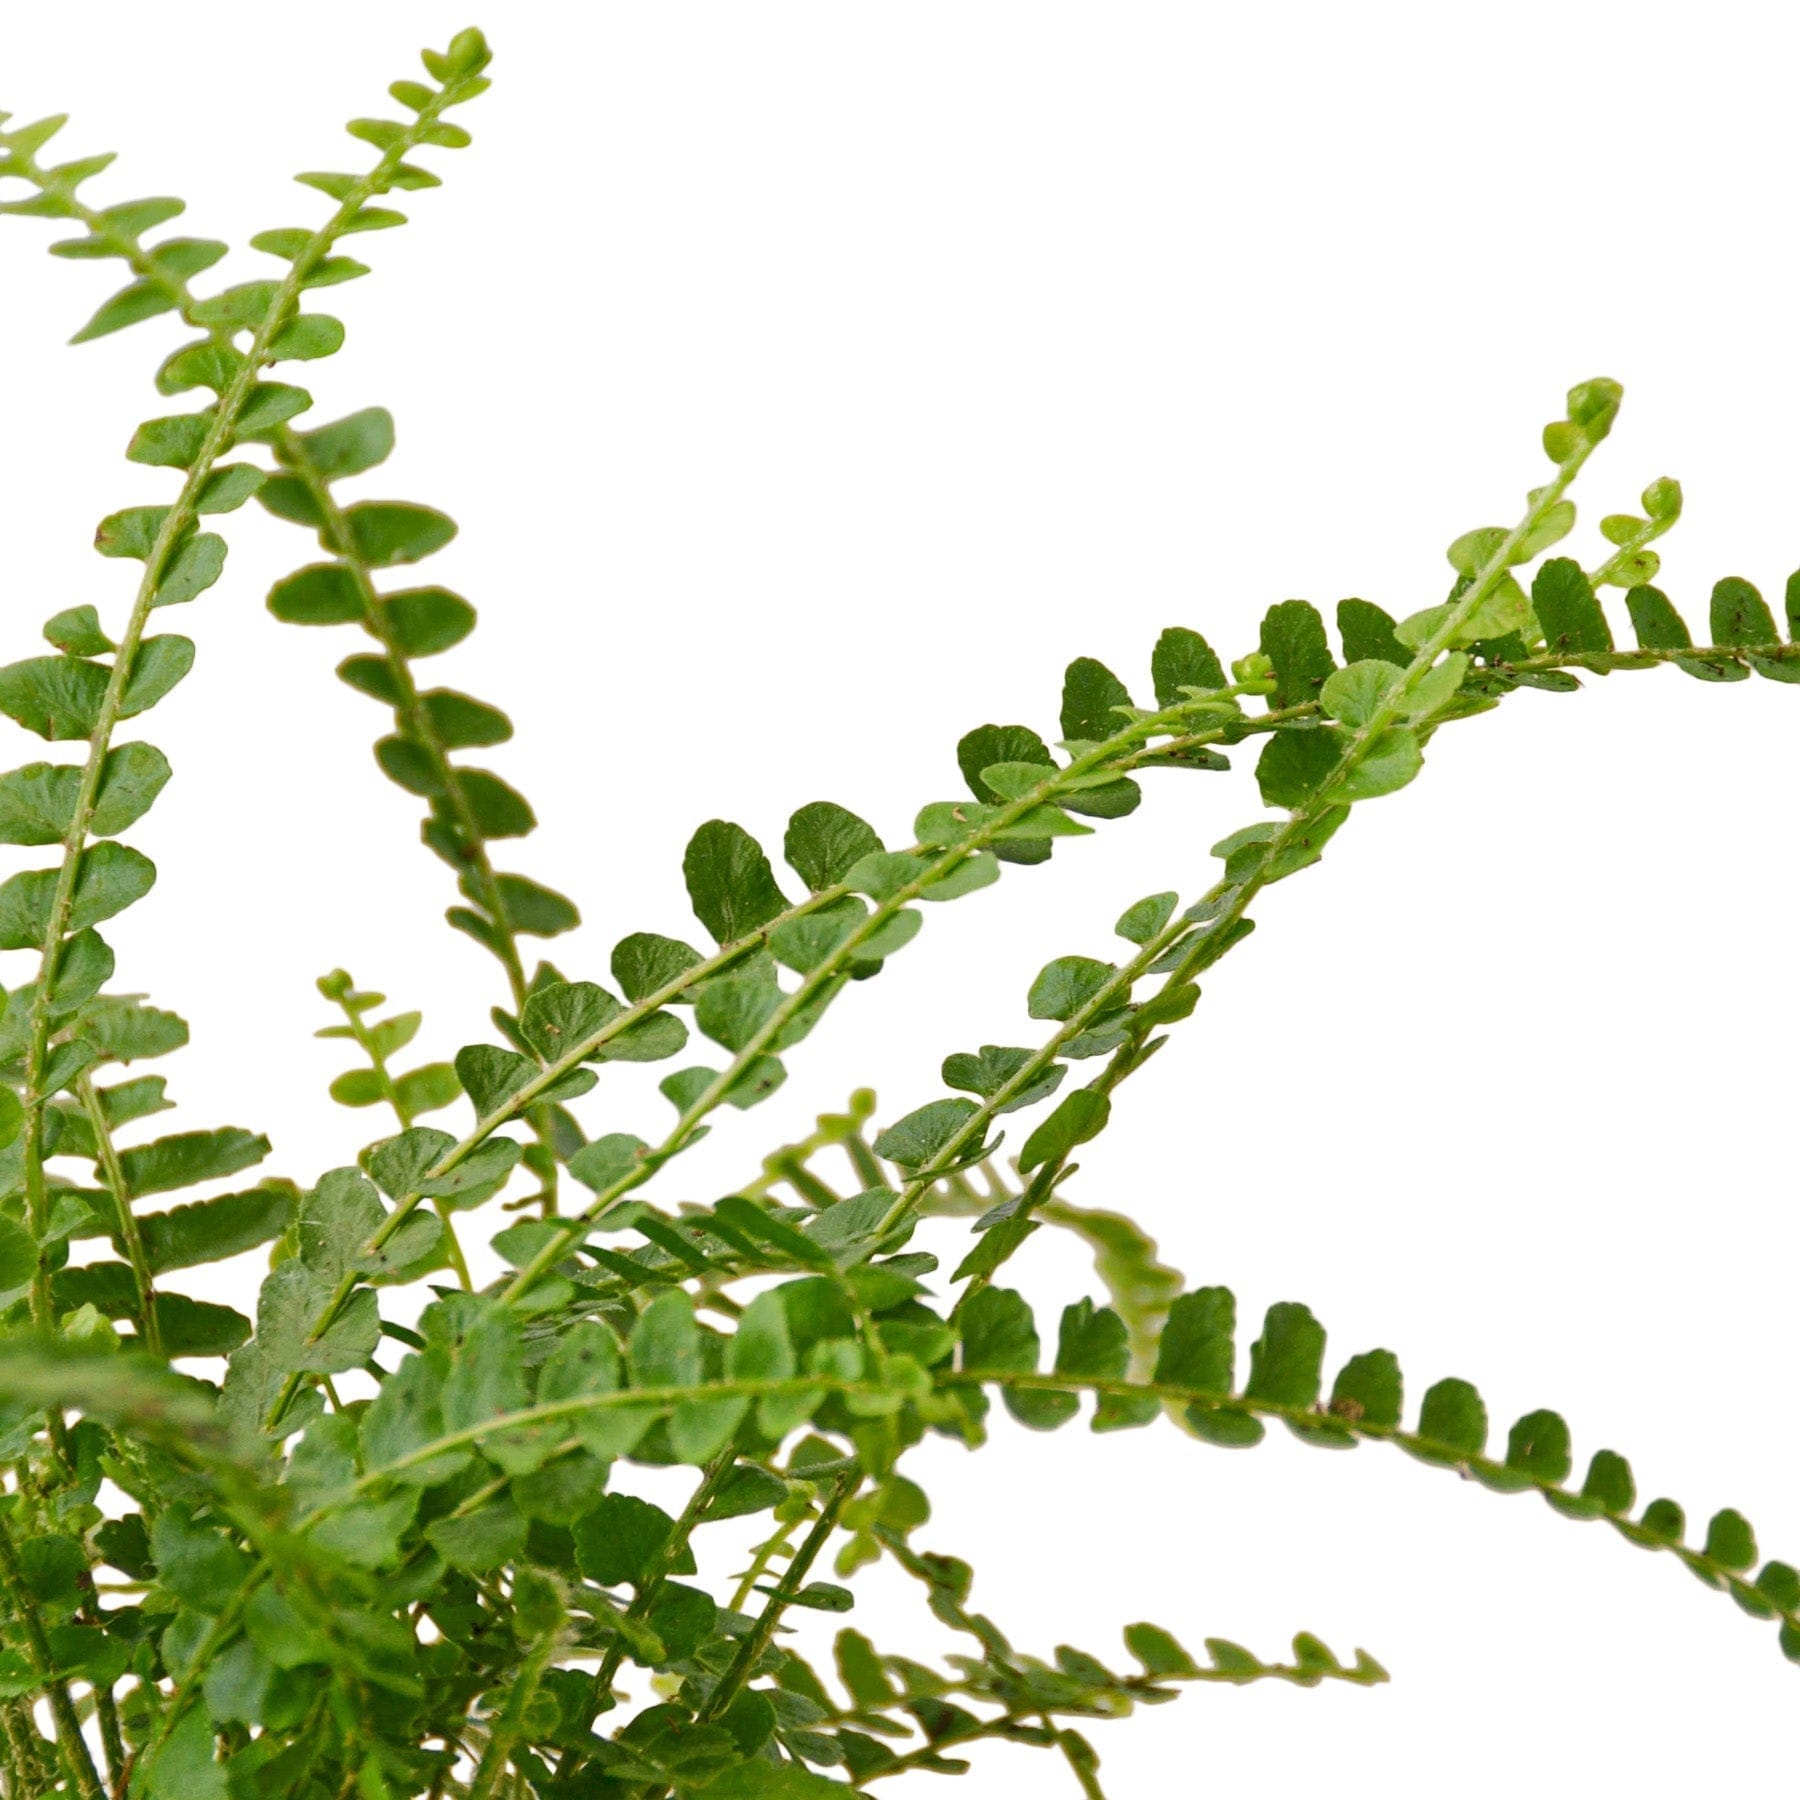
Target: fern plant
{"x": 377, "y": 1531}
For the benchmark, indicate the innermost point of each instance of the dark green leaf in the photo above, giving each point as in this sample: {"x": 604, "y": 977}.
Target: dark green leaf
{"x": 622, "y": 1540}
{"x": 161, "y": 663}
{"x": 664, "y": 1349}
{"x": 76, "y": 631}
{"x": 1388, "y": 764}
{"x": 1609, "y": 1484}
{"x": 564, "y": 1014}
{"x": 1453, "y": 1416}
{"x": 58, "y": 697}
{"x": 1539, "y": 1445}
{"x": 1093, "y": 1342}
{"x": 211, "y": 1230}
{"x": 1158, "y": 1651}
{"x": 922, "y": 1135}
{"x": 491, "y": 1076}
{"x": 1293, "y": 639}
{"x": 171, "y": 443}
{"x": 198, "y": 1564}
{"x": 1368, "y": 1390}
{"x": 989, "y": 745}
{"x": 999, "y": 1335}
{"x": 306, "y": 337}
{"x": 204, "y": 364}
{"x": 85, "y": 966}
{"x": 1140, "y": 923}
{"x": 488, "y": 1538}
{"x": 1183, "y": 659}
{"x": 1740, "y": 615}
{"x": 499, "y": 811}
{"x": 729, "y": 881}
{"x": 268, "y": 404}
{"x": 1285, "y": 1361}
{"x": 1367, "y": 632}
{"x": 192, "y": 569}
{"x": 824, "y": 842}
{"x": 1091, "y": 692}
{"x": 386, "y": 532}
{"x": 1197, "y": 1348}
{"x": 644, "y": 964}
{"x": 111, "y": 878}
{"x": 537, "y": 910}
{"x": 425, "y": 621}
{"x": 349, "y": 446}
{"x": 1081, "y": 1116}
{"x": 651, "y": 1039}
{"x": 228, "y": 487}
{"x": 607, "y": 1160}
{"x": 288, "y": 497}
{"x": 139, "y": 300}
{"x": 125, "y": 1030}
{"x": 1064, "y": 987}
{"x": 463, "y": 723}
{"x": 732, "y": 1009}
{"x": 37, "y": 802}
{"x": 1294, "y": 765}
{"x": 1566, "y": 608}
{"x": 408, "y": 763}
{"x": 131, "y": 533}
{"x": 1657, "y": 624}
{"x": 188, "y": 1157}
{"x": 321, "y": 594}
{"x": 985, "y": 1074}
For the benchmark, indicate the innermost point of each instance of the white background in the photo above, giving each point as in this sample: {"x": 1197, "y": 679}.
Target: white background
{"x": 811, "y": 383}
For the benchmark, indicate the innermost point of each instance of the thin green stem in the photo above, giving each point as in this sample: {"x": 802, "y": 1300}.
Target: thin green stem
{"x": 777, "y": 1545}
{"x": 666, "y": 1558}
{"x": 113, "y": 1174}
{"x": 509, "y": 1727}
{"x": 756, "y": 1640}
{"x": 24, "y": 1775}
{"x": 178, "y": 518}
{"x": 390, "y": 1092}
{"x": 291, "y": 453}
{"x": 416, "y": 720}
{"x": 77, "y": 1759}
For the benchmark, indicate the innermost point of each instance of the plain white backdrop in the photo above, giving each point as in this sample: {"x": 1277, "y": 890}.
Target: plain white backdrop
{"x": 811, "y": 383}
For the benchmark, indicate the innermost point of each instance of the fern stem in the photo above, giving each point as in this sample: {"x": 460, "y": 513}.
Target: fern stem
{"x": 292, "y": 455}
{"x": 129, "y": 1234}
{"x": 180, "y": 515}
{"x": 77, "y": 1758}
{"x": 666, "y": 1558}
{"x": 509, "y": 1727}
{"x": 390, "y": 1092}
{"x": 781, "y": 1543}
{"x": 756, "y": 1640}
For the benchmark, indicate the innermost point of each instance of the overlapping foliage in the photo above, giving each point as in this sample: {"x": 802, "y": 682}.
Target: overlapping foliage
{"x": 383, "y": 1534}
